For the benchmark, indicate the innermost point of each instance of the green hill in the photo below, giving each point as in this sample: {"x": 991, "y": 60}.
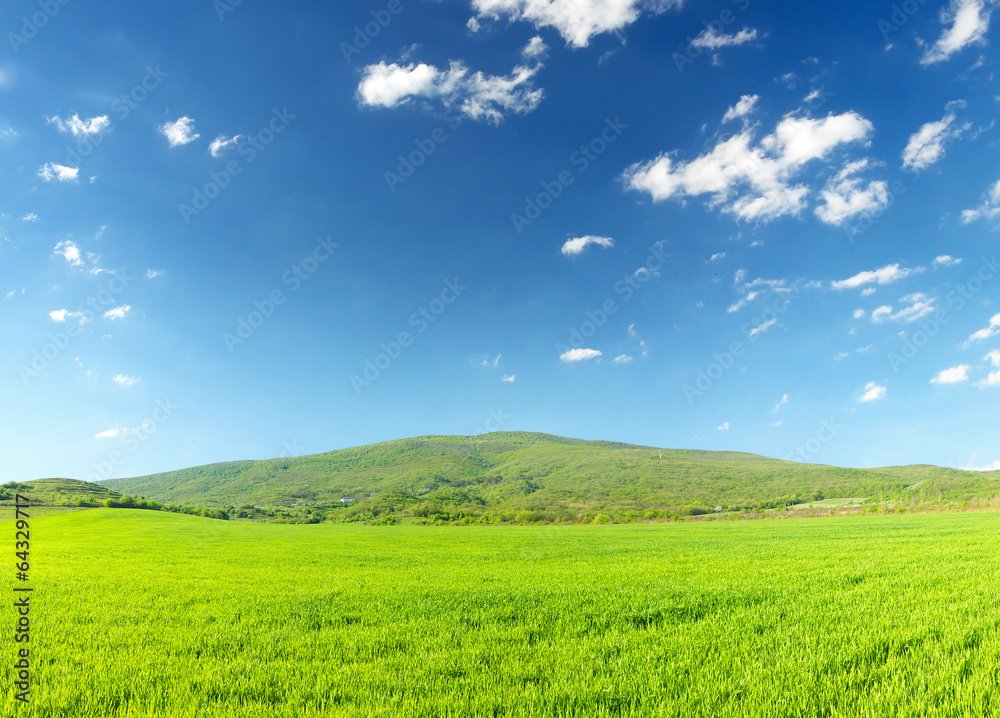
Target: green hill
{"x": 550, "y": 476}
{"x": 57, "y": 492}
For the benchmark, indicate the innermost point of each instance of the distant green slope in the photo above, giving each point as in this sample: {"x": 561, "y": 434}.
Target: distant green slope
{"x": 57, "y": 492}
{"x": 515, "y": 471}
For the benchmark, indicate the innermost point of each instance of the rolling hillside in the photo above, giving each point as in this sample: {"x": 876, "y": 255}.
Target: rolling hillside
{"x": 515, "y": 471}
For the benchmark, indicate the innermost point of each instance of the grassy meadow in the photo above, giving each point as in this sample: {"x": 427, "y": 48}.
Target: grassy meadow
{"x": 140, "y": 613}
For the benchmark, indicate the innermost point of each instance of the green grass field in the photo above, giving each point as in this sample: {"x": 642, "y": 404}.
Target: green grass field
{"x": 140, "y": 613}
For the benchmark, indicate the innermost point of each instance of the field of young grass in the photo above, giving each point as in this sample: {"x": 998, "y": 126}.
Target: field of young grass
{"x": 139, "y": 613}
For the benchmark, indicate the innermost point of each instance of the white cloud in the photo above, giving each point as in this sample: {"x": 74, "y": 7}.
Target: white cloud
{"x": 717, "y": 256}
{"x": 990, "y": 331}
{"x": 782, "y": 402}
{"x": 153, "y": 273}
{"x": 576, "y": 20}
{"x": 578, "y": 244}
{"x": 221, "y": 144}
{"x": 51, "y": 171}
{"x": 973, "y": 465}
{"x": 969, "y": 21}
{"x": 622, "y": 359}
{"x": 873, "y": 392}
{"x": 946, "y": 260}
{"x": 754, "y": 181}
{"x": 868, "y": 291}
{"x": 179, "y": 132}
{"x": 575, "y": 355}
{"x": 30, "y": 217}
{"x": 70, "y": 252}
{"x": 509, "y": 378}
{"x": 491, "y": 362}
{"x": 989, "y": 209}
{"x": 59, "y": 315}
{"x": 124, "y": 380}
{"x": 535, "y": 48}
{"x": 710, "y": 39}
{"x": 776, "y": 424}
{"x": 477, "y": 96}
{"x": 724, "y": 427}
{"x": 761, "y": 328}
{"x": 927, "y": 145}
{"x": 859, "y": 313}
{"x": 840, "y": 356}
{"x": 117, "y": 312}
{"x": 108, "y": 434}
{"x": 631, "y": 330}
{"x": 954, "y": 375}
{"x": 81, "y": 128}
{"x": 886, "y": 275}
{"x": 845, "y": 197}
{"x": 993, "y": 357}
{"x": 746, "y": 105}
{"x": 993, "y": 379}
{"x": 918, "y": 306}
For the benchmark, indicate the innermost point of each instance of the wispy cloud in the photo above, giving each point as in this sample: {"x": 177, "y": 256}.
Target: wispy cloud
{"x": 118, "y": 312}
{"x": 712, "y": 39}
{"x": 927, "y": 145}
{"x": 886, "y": 275}
{"x": 81, "y": 128}
{"x": 52, "y": 171}
{"x": 221, "y": 143}
{"x": 125, "y": 380}
{"x": 967, "y": 22}
{"x": 987, "y": 332}
{"x": 577, "y": 245}
{"x": 475, "y": 95}
{"x": 70, "y": 252}
{"x": 576, "y": 20}
{"x": 872, "y": 392}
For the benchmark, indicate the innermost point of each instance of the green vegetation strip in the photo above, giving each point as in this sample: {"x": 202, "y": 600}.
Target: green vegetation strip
{"x": 141, "y": 613}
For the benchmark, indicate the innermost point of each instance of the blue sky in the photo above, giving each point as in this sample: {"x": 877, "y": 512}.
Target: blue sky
{"x": 240, "y": 230}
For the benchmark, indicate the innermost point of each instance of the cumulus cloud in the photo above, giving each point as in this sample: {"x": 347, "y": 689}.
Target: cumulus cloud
{"x": 993, "y": 379}
{"x": 845, "y": 196}
{"x": 179, "y": 132}
{"x": 723, "y": 427}
{"x": 990, "y": 331}
{"x": 872, "y": 392}
{"x": 576, "y": 20}
{"x": 64, "y": 315}
{"x": 30, "y": 217}
{"x": 578, "y": 244}
{"x": 886, "y": 275}
{"x": 51, "y": 171}
{"x": 927, "y": 145}
{"x": 575, "y": 355}
{"x": 124, "y": 380}
{"x": 81, "y": 128}
{"x": 70, "y": 252}
{"x": 118, "y": 312}
{"x": 954, "y": 375}
{"x": 746, "y": 105}
{"x": 221, "y": 143}
{"x": 710, "y": 39}
{"x": 989, "y": 209}
{"x": 946, "y": 260}
{"x": 967, "y": 22}
{"x": 750, "y": 179}
{"x": 509, "y": 378}
{"x": 475, "y": 95}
